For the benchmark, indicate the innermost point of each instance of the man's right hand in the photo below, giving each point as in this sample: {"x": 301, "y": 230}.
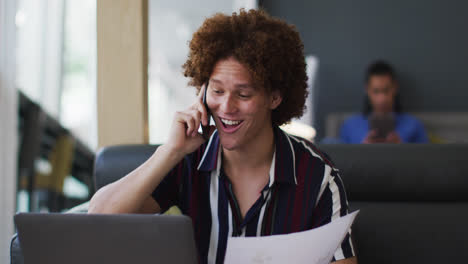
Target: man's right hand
{"x": 184, "y": 137}
{"x": 132, "y": 193}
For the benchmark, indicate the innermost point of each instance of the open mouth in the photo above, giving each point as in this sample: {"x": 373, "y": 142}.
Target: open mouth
{"x": 230, "y": 126}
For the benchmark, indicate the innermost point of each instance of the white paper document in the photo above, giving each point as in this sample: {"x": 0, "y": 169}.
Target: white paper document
{"x": 316, "y": 246}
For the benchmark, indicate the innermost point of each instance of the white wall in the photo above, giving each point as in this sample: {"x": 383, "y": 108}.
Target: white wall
{"x": 8, "y": 126}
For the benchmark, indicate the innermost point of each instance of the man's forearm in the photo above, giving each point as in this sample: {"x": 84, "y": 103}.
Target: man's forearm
{"x": 128, "y": 194}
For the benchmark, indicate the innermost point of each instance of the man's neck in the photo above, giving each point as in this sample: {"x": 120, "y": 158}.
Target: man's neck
{"x": 258, "y": 154}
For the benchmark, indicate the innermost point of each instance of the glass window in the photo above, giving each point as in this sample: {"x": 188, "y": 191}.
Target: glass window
{"x": 56, "y": 61}
{"x": 78, "y": 96}
{"x": 56, "y": 68}
{"x": 39, "y": 51}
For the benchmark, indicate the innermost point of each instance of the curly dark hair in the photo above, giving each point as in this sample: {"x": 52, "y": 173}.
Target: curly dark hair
{"x": 271, "y": 50}
{"x": 381, "y": 67}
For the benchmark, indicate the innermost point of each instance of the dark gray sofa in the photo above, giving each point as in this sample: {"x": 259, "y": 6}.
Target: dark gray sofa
{"x": 413, "y": 198}
{"x": 413, "y": 201}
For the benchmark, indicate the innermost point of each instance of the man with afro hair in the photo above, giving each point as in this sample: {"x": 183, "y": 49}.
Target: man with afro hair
{"x": 248, "y": 177}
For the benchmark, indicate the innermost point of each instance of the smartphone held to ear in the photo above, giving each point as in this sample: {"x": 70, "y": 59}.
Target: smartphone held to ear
{"x": 205, "y": 130}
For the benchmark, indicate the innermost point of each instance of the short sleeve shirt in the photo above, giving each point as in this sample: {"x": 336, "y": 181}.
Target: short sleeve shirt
{"x": 304, "y": 191}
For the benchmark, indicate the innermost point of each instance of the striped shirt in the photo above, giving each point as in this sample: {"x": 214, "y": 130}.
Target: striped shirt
{"x": 304, "y": 191}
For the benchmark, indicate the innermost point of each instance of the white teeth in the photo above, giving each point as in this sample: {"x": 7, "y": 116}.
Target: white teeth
{"x": 230, "y": 122}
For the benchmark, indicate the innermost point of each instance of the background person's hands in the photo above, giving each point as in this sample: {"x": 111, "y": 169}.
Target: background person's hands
{"x": 372, "y": 138}
{"x": 393, "y": 137}
{"x": 184, "y": 137}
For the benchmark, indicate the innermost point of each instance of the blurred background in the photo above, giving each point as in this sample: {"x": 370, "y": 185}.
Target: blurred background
{"x": 65, "y": 91}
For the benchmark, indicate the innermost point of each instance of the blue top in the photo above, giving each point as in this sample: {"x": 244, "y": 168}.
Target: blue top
{"x": 410, "y": 130}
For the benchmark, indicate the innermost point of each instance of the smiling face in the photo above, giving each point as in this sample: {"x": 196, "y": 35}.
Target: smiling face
{"x": 242, "y": 112}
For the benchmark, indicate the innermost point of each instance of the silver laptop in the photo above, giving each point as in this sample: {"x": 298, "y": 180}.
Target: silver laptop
{"x": 83, "y": 238}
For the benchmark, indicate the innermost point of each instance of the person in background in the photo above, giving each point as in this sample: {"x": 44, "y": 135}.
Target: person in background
{"x": 382, "y": 110}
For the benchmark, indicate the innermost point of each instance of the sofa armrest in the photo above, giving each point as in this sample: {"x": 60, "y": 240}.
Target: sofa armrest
{"x": 16, "y": 254}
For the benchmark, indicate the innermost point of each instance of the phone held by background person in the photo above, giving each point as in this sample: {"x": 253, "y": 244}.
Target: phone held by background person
{"x": 382, "y": 124}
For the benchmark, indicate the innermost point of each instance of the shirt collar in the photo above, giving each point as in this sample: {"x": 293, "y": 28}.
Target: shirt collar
{"x": 285, "y": 160}
{"x": 211, "y": 155}
{"x": 283, "y": 165}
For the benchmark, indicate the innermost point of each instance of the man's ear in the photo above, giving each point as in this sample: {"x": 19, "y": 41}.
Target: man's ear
{"x": 275, "y": 99}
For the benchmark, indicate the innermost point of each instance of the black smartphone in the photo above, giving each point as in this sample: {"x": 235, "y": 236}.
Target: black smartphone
{"x": 382, "y": 124}
{"x": 206, "y": 129}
